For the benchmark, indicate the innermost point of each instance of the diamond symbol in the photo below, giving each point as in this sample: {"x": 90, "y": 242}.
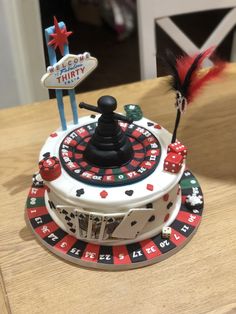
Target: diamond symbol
{"x": 53, "y": 135}
{"x": 166, "y": 217}
{"x": 150, "y": 187}
{"x": 103, "y": 194}
{"x": 166, "y": 197}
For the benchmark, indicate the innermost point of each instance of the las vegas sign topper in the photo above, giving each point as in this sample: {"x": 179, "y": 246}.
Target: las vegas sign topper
{"x": 69, "y": 71}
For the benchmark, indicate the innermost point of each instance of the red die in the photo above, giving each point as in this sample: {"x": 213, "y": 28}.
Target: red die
{"x": 177, "y": 148}
{"x": 173, "y": 162}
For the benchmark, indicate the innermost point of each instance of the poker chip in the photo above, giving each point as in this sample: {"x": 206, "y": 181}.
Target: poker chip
{"x": 133, "y": 112}
{"x": 37, "y": 180}
{"x": 50, "y": 168}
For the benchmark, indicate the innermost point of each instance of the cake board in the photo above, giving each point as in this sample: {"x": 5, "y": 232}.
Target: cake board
{"x": 113, "y": 257}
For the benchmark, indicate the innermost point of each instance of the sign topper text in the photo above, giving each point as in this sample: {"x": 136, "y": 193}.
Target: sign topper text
{"x": 69, "y": 71}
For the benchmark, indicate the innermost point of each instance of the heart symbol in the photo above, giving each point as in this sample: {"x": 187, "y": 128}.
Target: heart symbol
{"x": 129, "y": 192}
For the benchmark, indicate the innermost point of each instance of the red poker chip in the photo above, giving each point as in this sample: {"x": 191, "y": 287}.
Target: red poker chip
{"x": 48, "y": 163}
{"x": 50, "y": 168}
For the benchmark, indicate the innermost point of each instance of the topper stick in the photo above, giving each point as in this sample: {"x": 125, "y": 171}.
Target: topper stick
{"x": 71, "y": 92}
{"x": 53, "y": 59}
{"x": 73, "y": 103}
{"x": 177, "y": 120}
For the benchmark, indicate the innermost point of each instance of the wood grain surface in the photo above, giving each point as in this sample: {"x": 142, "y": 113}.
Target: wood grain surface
{"x": 201, "y": 278}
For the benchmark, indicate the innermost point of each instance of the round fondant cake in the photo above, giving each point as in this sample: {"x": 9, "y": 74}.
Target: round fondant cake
{"x": 114, "y": 192}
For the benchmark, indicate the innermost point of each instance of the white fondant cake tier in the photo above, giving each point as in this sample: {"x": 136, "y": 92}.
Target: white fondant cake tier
{"x": 118, "y": 228}
{"x": 113, "y": 214}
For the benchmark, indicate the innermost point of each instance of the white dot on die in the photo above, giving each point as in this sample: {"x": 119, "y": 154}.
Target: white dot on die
{"x": 192, "y": 181}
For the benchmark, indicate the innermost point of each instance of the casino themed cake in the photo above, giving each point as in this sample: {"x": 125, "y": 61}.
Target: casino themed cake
{"x": 112, "y": 190}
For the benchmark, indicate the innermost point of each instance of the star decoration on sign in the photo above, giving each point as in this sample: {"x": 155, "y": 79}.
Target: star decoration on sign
{"x": 59, "y": 37}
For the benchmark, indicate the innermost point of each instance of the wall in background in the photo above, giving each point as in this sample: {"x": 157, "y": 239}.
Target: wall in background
{"x": 22, "y": 59}
{"x": 9, "y": 95}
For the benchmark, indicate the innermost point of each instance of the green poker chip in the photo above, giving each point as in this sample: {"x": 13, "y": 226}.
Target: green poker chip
{"x": 189, "y": 183}
{"x": 133, "y": 112}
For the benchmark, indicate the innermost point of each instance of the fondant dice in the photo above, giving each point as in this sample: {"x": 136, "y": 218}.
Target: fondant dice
{"x": 173, "y": 162}
{"x": 166, "y": 232}
{"x": 50, "y": 168}
{"x": 177, "y": 148}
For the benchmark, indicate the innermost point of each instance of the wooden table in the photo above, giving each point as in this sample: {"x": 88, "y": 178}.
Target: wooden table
{"x": 201, "y": 278}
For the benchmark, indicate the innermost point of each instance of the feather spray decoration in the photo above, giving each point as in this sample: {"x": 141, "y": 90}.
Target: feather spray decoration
{"x": 187, "y": 82}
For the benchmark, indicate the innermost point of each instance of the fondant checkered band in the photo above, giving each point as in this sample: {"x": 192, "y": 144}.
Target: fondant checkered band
{"x": 114, "y": 257}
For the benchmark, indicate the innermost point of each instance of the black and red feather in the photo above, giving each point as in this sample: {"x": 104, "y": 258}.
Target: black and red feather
{"x": 185, "y": 73}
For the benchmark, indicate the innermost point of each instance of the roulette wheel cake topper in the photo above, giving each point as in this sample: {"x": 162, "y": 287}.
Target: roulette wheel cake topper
{"x": 113, "y": 191}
